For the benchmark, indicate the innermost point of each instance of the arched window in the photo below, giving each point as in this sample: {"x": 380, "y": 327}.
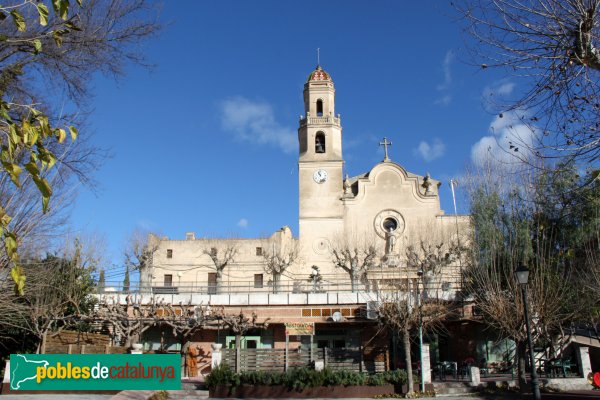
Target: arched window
{"x": 319, "y": 108}
{"x": 320, "y": 142}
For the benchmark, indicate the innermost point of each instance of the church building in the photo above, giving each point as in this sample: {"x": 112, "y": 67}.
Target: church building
{"x": 360, "y": 239}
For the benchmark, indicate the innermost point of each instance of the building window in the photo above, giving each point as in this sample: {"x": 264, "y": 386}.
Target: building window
{"x": 212, "y": 283}
{"x": 169, "y": 253}
{"x": 259, "y": 251}
{"x": 390, "y": 224}
{"x": 168, "y": 280}
{"x": 258, "y": 281}
{"x": 319, "y": 108}
{"x": 320, "y": 142}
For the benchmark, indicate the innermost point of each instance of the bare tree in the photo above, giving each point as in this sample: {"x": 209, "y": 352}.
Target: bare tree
{"x": 404, "y": 311}
{"x": 57, "y": 296}
{"x": 413, "y": 302}
{"x": 550, "y": 46}
{"x": 355, "y": 256}
{"x": 46, "y": 59}
{"x": 222, "y": 253}
{"x": 62, "y": 51}
{"x": 518, "y": 220}
{"x": 278, "y": 258}
{"x": 128, "y": 320}
{"x": 139, "y": 249}
{"x": 239, "y": 325}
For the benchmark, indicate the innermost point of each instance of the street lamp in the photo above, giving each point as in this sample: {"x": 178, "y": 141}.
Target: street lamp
{"x": 420, "y": 275}
{"x": 522, "y": 275}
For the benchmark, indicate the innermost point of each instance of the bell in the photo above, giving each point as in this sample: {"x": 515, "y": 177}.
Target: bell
{"x": 319, "y": 148}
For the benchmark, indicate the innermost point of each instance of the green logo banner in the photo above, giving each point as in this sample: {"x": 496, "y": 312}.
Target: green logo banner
{"x": 95, "y": 372}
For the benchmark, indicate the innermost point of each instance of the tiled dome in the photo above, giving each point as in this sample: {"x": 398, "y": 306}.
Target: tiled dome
{"x": 319, "y": 75}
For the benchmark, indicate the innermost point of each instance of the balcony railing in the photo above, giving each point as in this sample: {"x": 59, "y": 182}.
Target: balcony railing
{"x": 441, "y": 288}
{"x": 320, "y": 121}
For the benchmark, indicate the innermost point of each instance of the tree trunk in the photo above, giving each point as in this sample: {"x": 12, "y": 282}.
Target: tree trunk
{"x": 521, "y": 363}
{"x": 238, "y": 353}
{"x": 276, "y": 279}
{"x": 42, "y": 348}
{"x": 218, "y": 277}
{"x": 408, "y": 359}
{"x": 353, "y": 280}
{"x": 184, "y": 351}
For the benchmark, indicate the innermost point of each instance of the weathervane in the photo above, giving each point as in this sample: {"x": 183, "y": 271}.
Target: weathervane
{"x": 385, "y": 144}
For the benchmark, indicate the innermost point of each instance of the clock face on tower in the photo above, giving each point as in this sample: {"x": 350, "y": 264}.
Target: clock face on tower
{"x": 320, "y": 176}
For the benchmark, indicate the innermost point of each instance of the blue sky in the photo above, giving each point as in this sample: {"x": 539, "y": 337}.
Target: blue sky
{"x": 206, "y": 140}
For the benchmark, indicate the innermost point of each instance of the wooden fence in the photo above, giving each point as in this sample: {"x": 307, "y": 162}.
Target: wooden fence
{"x": 278, "y": 359}
{"x": 266, "y": 359}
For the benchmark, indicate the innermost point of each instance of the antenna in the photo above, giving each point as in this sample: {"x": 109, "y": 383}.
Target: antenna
{"x": 318, "y": 56}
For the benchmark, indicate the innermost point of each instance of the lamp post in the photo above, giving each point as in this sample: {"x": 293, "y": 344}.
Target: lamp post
{"x": 420, "y": 275}
{"x": 522, "y": 275}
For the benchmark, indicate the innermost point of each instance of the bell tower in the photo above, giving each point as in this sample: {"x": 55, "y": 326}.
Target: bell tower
{"x": 320, "y": 167}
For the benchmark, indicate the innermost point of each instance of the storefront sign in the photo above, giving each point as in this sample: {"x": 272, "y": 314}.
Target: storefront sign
{"x": 95, "y": 371}
{"x": 299, "y": 328}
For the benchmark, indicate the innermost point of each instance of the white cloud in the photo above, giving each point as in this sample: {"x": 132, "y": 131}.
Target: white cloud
{"x": 505, "y": 88}
{"x": 444, "y": 100}
{"x": 430, "y": 152}
{"x": 254, "y": 121}
{"x": 444, "y": 87}
{"x": 505, "y": 131}
{"x": 448, "y": 59}
{"x": 496, "y": 96}
{"x": 243, "y": 223}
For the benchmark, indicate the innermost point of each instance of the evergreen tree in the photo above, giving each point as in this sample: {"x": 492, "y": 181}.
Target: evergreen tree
{"x": 547, "y": 220}
{"x": 101, "y": 281}
{"x": 126, "y": 282}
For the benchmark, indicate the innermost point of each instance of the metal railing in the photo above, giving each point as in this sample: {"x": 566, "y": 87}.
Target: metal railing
{"x": 442, "y": 288}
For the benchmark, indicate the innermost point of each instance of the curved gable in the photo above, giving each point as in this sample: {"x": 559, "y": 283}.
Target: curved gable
{"x": 389, "y": 179}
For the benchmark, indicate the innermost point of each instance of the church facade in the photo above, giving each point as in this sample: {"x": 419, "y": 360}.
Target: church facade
{"x": 360, "y": 239}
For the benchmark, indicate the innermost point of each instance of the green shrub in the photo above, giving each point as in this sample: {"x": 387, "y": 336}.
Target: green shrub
{"x": 396, "y": 377}
{"x": 222, "y": 375}
{"x": 352, "y": 378}
{"x": 260, "y": 378}
{"x": 299, "y": 378}
{"x": 302, "y": 377}
{"x": 331, "y": 377}
{"x": 377, "y": 380}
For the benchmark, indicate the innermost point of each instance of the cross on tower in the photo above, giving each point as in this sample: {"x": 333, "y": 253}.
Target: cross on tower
{"x": 385, "y": 144}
